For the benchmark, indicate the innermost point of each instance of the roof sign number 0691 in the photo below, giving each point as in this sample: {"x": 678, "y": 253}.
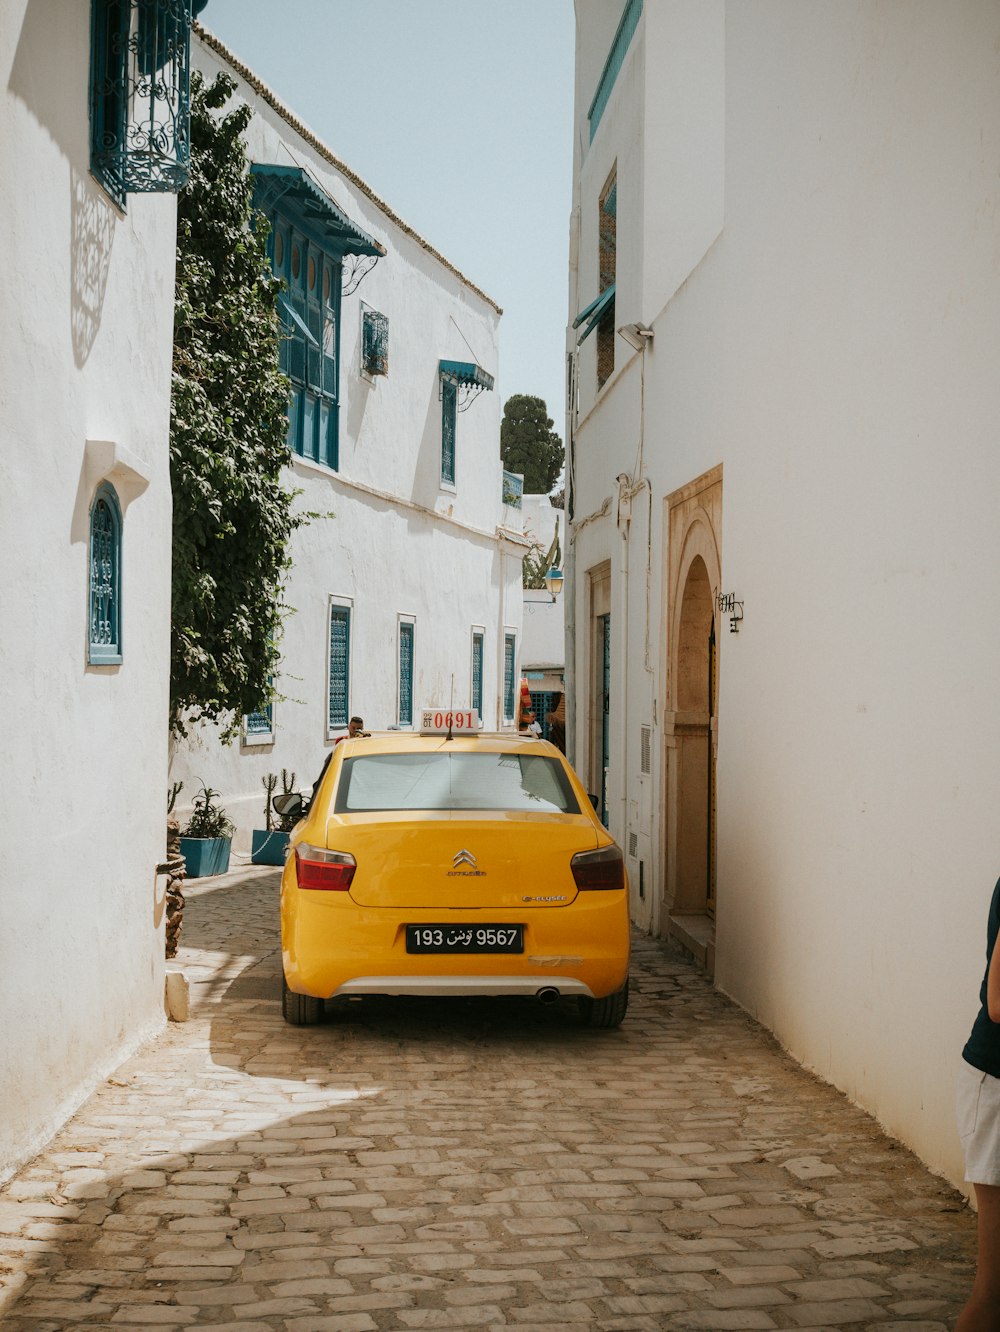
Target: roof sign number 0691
{"x": 433, "y": 720}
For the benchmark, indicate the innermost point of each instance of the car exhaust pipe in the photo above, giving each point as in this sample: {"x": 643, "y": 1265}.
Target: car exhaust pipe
{"x": 547, "y": 995}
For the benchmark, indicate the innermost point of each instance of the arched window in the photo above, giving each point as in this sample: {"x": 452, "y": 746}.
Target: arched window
{"x": 105, "y": 637}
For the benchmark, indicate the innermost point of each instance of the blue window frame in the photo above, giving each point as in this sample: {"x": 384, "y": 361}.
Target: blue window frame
{"x": 449, "y": 410}
{"x": 477, "y": 671}
{"x": 405, "y": 717}
{"x": 310, "y": 349}
{"x": 509, "y": 692}
{"x": 339, "y": 661}
{"x": 258, "y": 727}
{"x": 616, "y": 58}
{"x": 309, "y": 239}
{"x": 105, "y": 552}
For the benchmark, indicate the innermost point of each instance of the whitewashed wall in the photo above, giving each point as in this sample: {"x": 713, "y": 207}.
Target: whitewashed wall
{"x": 832, "y": 341}
{"x": 544, "y": 640}
{"x": 83, "y": 812}
{"x": 397, "y": 543}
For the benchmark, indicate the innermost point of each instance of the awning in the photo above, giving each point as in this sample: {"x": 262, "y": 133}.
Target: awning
{"x": 593, "y": 312}
{"x": 465, "y": 374}
{"x": 297, "y": 196}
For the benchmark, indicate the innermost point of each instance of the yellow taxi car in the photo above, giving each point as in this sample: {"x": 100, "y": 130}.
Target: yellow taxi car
{"x": 452, "y": 864}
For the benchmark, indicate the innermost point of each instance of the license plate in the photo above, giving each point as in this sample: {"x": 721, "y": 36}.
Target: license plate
{"x": 465, "y": 938}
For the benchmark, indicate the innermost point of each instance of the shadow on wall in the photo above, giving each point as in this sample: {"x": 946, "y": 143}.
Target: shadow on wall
{"x": 50, "y": 75}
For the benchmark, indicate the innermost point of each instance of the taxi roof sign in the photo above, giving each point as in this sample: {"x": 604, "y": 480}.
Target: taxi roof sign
{"x": 445, "y": 721}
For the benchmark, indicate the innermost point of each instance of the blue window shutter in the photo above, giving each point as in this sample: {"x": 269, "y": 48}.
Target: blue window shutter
{"x": 340, "y": 643}
{"x": 449, "y": 407}
{"x": 405, "y": 674}
{"x": 509, "y": 644}
{"x": 105, "y": 551}
{"x": 310, "y": 354}
{"x": 477, "y": 673}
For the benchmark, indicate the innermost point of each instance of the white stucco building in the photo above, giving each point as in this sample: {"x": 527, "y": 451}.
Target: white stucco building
{"x": 409, "y": 593}
{"x": 85, "y": 499}
{"x": 784, "y": 301}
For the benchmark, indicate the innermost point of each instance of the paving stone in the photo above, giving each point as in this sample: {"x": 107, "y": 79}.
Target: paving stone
{"x": 465, "y": 1164}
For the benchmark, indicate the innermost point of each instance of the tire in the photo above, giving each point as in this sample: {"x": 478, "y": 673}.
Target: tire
{"x": 607, "y": 1012}
{"x": 300, "y": 1010}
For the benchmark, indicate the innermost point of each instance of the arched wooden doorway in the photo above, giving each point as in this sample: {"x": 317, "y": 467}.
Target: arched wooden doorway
{"x": 691, "y": 714}
{"x": 694, "y": 843}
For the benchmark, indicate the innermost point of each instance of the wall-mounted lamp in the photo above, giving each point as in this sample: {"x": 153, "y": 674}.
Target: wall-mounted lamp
{"x": 554, "y": 581}
{"x": 728, "y": 605}
{"x": 636, "y": 335}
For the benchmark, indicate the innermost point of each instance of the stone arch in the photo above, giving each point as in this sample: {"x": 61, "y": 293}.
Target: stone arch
{"x": 691, "y": 715}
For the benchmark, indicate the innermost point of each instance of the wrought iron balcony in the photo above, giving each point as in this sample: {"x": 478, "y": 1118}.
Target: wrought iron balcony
{"x": 140, "y": 105}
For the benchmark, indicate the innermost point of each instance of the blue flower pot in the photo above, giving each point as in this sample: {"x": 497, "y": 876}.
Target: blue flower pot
{"x": 205, "y": 855}
{"x": 268, "y": 848}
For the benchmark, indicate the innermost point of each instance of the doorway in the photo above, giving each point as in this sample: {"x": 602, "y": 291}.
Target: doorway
{"x": 690, "y": 720}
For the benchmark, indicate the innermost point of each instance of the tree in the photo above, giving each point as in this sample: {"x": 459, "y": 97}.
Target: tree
{"x": 529, "y": 445}
{"x": 233, "y": 516}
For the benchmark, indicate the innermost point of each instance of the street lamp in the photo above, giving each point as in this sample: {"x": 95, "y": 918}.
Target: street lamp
{"x": 554, "y": 581}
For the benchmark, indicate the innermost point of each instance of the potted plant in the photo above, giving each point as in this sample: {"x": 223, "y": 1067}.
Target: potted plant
{"x": 206, "y": 839}
{"x": 270, "y": 843}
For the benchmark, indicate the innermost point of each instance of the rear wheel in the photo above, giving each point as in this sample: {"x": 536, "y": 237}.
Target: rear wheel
{"x": 607, "y": 1012}
{"x": 301, "y": 1010}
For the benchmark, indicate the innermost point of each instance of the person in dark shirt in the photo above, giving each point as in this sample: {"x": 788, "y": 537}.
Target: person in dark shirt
{"x": 354, "y": 727}
{"x": 978, "y": 1106}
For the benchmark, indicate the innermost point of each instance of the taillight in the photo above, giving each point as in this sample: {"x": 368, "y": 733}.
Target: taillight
{"x": 315, "y": 867}
{"x": 599, "y": 869}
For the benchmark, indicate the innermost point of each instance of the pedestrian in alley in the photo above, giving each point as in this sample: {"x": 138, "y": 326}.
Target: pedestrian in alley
{"x": 355, "y": 726}
{"x": 978, "y": 1106}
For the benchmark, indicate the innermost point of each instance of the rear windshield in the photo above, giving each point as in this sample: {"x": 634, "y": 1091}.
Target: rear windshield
{"x": 454, "y": 780}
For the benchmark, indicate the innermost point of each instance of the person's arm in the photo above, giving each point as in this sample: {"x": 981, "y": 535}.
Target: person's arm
{"x": 993, "y": 984}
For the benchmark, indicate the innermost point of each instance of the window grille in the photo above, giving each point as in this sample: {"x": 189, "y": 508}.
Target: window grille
{"x": 509, "y": 646}
{"x": 339, "y": 666}
{"x": 616, "y": 58}
{"x": 140, "y": 106}
{"x": 105, "y": 548}
{"x": 259, "y": 726}
{"x": 645, "y": 750}
{"x": 405, "y": 673}
{"x": 375, "y": 343}
{"x": 477, "y": 673}
{"x": 513, "y": 489}
{"x": 449, "y": 404}
{"x": 542, "y": 703}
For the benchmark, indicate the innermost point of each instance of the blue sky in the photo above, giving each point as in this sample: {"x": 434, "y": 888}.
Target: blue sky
{"x": 460, "y": 116}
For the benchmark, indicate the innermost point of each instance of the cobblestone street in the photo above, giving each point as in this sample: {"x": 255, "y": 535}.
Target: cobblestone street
{"x": 468, "y": 1164}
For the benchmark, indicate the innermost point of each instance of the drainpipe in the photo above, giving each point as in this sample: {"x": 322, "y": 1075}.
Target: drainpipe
{"x": 623, "y": 520}
{"x": 569, "y": 566}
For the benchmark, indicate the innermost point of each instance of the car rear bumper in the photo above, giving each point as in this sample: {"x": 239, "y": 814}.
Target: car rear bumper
{"x": 552, "y": 987}
{"x": 331, "y": 946}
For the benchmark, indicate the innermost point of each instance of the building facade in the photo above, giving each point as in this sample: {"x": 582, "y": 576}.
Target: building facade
{"x": 406, "y": 591}
{"x": 782, "y": 470}
{"x": 84, "y": 414}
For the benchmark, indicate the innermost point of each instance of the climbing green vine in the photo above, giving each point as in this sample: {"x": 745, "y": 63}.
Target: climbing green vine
{"x": 233, "y": 516}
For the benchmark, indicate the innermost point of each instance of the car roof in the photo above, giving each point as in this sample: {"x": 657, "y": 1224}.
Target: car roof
{"x": 413, "y": 742}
